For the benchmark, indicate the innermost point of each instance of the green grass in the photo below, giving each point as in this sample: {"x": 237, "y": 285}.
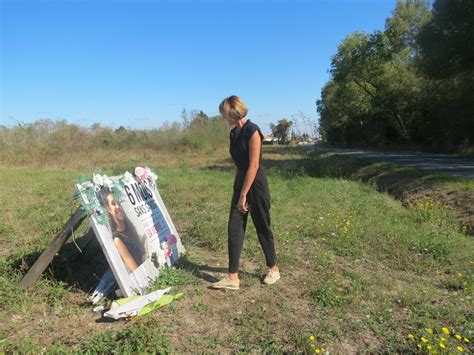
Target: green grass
{"x": 360, "y": 271}
{"x": 170, "y": 277}
{"x": 143, "y": 337}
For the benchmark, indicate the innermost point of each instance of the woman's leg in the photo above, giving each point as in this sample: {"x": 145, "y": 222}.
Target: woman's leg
{"x": 236, "y": 234}
{"x": 260, "y": 212}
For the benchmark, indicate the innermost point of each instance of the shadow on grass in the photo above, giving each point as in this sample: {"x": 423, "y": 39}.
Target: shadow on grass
{"x": 81, "y": 270}
{"x": 280, "y": 149}
{"x": 201, "y": 270}
{"x": 219, "y": 167}
{"x": 225, "y": 165}
{"x": 402, "y": 182}
{"x": 317, "y": 166}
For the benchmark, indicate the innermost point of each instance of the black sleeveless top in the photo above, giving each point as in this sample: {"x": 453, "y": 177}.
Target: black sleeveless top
{"x": 240, "y": 151}
{"x": 133, "y": 244}
{"x": 239, "y": 144}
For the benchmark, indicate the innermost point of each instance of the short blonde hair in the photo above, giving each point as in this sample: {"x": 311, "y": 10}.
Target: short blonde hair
{"x": 233, "y": 107}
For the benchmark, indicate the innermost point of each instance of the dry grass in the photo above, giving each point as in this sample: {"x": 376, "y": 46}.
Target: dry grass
{"x": 360, "y": 271}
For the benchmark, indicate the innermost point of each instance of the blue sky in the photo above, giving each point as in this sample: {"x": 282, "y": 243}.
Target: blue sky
{"x": 139, "y": 63}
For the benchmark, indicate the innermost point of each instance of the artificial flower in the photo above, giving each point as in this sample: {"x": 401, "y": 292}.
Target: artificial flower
{"x": 98, "y": 179}
{"x": 172, "y": 240}
{"x": 142, "y": 173}
{"x": 107, "y": 182}
{"x": 127, "y": 177}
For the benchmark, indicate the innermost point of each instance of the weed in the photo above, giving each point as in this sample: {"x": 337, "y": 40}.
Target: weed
{"x": 207, "y": 343}
{"x": 140, "y": 338}
{"x": 200, "y": 307}
{"x": 170, "y": 277}
{"x": 442, "y": 339}
{"x": 327, "y": 296}
{"x": 171, "y": 309}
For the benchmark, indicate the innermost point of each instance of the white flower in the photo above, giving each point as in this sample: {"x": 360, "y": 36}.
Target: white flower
{"x": 140, "y": 171}
{"x": 153, "y": 176}
{"x": 127, "y": 177}
{"x": 108, "y": 182}
{"x": 98, "y": 179}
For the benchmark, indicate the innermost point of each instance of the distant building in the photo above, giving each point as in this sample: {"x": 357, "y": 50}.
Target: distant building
{"x": 269, "y": 140}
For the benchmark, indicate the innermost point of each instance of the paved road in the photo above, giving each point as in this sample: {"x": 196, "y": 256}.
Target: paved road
{"x": 438, "y": 163}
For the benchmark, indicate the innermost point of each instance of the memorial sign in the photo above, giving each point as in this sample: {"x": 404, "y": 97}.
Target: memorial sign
{"x": 132, "y": 225}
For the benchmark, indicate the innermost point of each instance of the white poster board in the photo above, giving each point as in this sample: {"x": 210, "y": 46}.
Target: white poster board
{"x": 132, "y": 225}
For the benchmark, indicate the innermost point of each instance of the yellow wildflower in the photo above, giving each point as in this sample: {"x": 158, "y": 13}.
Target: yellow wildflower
{"x": 460, "y": 349}
{"x": 442, "y": 345}
{"x": 458, "y": 336}
{"x": 466, "y": 340}
{"x": 443, "y": 339}
{"x": 429, "y": 330}
{"x": 424, "y": 340}
{"x": 317, "y": 351}
{"x": 312, "y": 345}
{"x": 445, "y": 330}
{"x": 411, "y": 336}
{"x": 419, "y": 346}
{"x": 311, "y": 338}
{"x": 429, "y": 347}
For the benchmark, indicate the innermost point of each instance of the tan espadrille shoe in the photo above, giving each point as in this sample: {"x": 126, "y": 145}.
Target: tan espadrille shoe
{"x": 227, "y": 283}
{"x": 272, "y": 277}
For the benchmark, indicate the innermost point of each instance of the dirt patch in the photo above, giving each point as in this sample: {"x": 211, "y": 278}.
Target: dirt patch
{"x": 44, "y": 326}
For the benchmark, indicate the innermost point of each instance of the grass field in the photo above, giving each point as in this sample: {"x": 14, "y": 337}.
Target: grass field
{"x": 360, "y": 272}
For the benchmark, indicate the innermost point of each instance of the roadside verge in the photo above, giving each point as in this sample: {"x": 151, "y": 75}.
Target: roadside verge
{"x": 409, "y": 185}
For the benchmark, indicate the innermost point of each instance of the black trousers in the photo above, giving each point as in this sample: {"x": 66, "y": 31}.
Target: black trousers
{"x": 258, "y": 199}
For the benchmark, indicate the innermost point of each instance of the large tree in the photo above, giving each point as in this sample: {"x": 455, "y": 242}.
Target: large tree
{"x": 403, "y": 27}
{"x": 281, "y": 130}
{"x": 447, "y": 58}
{"x": 375, "y": 89}
{"x": 447, "y": 40}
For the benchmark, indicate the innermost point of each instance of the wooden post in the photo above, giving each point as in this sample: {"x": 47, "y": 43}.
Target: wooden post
{"x": 43, "y": 261}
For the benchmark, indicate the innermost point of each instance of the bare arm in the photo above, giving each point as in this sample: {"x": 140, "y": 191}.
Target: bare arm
{"x": 254, "y": 158}
{"x": 124, "y": 253}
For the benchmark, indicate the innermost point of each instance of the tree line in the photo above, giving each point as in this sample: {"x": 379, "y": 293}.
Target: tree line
{"x": 411, "y": 84}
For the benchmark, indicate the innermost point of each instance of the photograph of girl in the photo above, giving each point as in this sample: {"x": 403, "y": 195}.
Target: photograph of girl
{"x": 124, "y": 233}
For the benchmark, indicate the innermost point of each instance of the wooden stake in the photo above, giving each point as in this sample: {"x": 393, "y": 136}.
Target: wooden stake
{"x": 43, "y": 261}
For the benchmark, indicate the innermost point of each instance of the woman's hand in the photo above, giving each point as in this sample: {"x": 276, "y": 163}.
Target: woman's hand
{"x": 242, "y": 204}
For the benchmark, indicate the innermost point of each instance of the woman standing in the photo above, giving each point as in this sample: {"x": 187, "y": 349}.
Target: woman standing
{"x": 251, "y": 193}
